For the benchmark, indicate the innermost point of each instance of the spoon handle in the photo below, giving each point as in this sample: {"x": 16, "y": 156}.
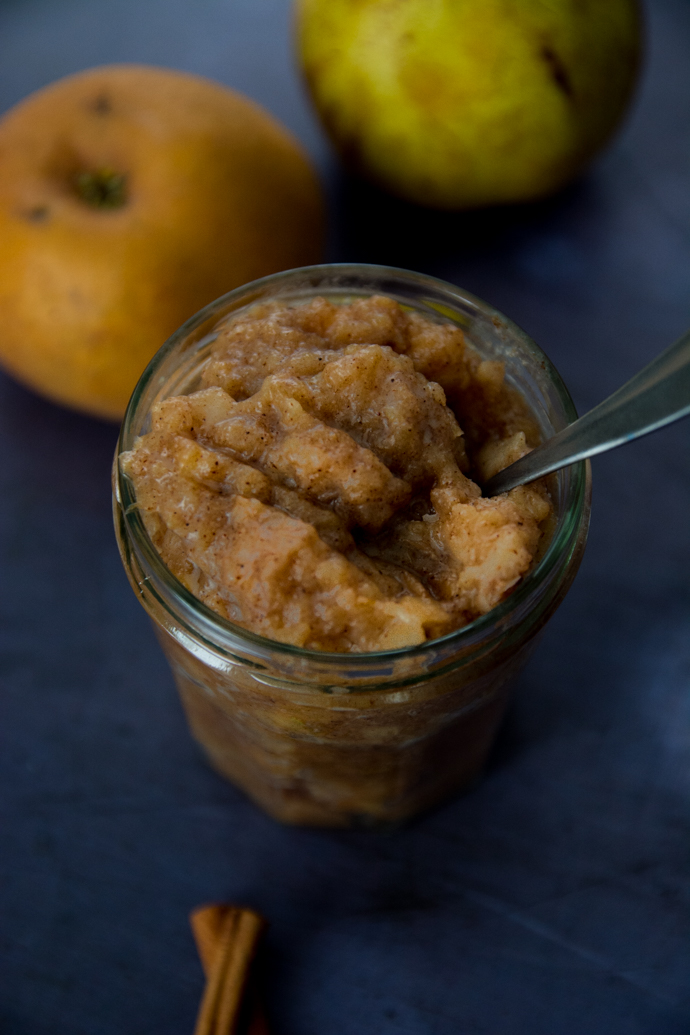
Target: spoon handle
{"x": 658, "y": 395}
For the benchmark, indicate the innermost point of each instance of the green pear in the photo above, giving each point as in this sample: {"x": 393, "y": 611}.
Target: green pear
{"x": 463, "y": 103}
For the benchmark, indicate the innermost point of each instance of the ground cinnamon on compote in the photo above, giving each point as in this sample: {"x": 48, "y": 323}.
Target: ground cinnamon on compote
{"x": 317, "y": 489}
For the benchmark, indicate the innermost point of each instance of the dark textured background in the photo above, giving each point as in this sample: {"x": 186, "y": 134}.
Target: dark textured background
{"x": 553, "y": 898}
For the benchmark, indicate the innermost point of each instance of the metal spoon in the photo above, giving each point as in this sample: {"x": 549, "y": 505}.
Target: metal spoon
{"x": 658, "y": 395}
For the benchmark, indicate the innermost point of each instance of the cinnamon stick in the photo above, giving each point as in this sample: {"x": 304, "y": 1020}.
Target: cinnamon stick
{"x": 206, "y": 923}
{"x": 226, "y": 938}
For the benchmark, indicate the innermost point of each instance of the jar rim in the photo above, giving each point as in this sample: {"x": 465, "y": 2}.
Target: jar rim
{"x": 347, "y": 278}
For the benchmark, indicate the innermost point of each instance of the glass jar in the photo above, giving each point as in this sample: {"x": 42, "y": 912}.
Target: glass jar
{"x": 352, "y": 739}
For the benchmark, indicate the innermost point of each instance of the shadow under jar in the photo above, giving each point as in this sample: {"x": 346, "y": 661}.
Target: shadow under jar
{"x": 329, "y": 739}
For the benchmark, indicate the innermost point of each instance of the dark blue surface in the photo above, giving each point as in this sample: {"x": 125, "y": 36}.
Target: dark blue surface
{"x": 553, "y": 899}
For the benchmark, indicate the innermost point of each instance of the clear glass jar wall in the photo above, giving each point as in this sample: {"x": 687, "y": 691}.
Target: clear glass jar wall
{"x": 333, "y": 739}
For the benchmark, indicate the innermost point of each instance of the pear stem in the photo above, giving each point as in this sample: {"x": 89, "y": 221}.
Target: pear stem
{"x": 102, "y": 188}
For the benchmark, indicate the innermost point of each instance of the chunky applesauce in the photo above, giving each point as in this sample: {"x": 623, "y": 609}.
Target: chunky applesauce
{"x": 320, "y": 485}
